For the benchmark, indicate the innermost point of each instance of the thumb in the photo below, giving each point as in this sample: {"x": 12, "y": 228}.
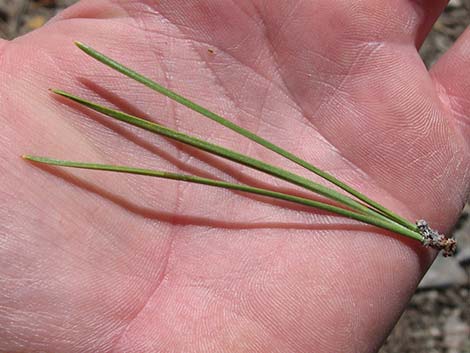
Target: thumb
{"x": 452, "y": 77}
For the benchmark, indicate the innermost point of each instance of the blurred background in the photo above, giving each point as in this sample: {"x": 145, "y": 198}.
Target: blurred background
{"x": 437, "y": 319}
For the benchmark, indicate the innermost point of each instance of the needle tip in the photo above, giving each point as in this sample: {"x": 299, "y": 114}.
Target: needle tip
{"x": 28, "y": 157}
{"x": 57, "y": 91}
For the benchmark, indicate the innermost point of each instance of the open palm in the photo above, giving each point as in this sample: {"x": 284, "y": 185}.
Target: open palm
{"x": 93, "y": 261}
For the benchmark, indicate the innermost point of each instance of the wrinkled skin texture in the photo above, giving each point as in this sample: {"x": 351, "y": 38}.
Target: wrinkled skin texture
{"x": 93, "y": 261}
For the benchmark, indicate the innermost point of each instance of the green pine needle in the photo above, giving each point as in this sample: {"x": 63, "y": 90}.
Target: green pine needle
{"x": 246, "y": 133}
{"x": 228, "y": 154}
{"x": 239, "y": 187}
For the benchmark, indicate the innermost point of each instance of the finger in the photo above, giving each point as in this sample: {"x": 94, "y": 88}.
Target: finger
{"x": 452, "y": 76}
{"x": 400, "y": 21}
{"x": 90, "y": 9}
{"x": 423, "y": 15}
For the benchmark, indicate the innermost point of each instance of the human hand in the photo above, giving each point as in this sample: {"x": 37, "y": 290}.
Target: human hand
{"x": 99, "y": 262}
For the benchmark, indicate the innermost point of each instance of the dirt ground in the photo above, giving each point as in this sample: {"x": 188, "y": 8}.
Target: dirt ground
{"x": 437, "y": 318}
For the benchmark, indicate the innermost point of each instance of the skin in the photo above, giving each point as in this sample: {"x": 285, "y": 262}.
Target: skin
{"x": 101, "y": 262}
